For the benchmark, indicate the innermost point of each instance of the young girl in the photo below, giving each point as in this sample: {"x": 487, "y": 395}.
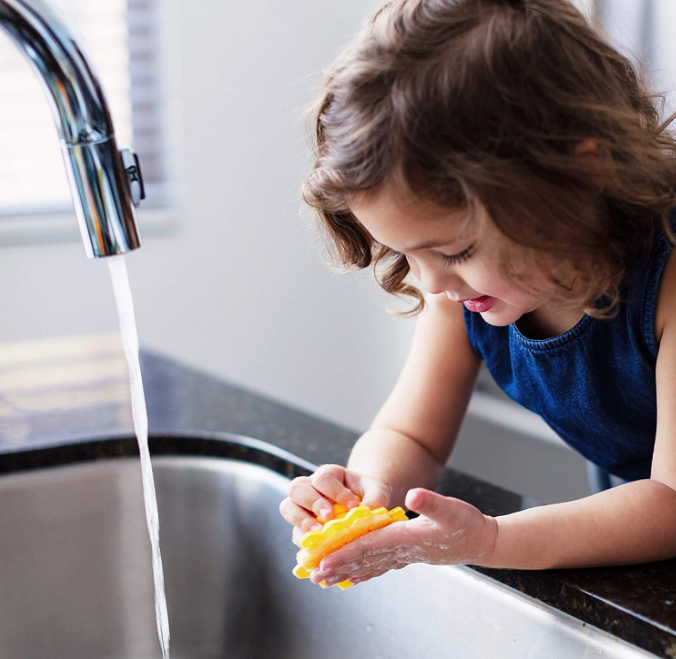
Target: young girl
{"x": 508, "y": 157}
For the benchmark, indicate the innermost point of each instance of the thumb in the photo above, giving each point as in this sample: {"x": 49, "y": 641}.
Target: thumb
{"x": 428, "y": 503}
{"x": 376, "y": 496}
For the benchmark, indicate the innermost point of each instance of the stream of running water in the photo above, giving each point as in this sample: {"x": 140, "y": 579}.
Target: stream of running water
{"x": 125, "y": 309}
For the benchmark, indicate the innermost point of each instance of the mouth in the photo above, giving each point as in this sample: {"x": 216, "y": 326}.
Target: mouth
{"x": 478, "y": 304}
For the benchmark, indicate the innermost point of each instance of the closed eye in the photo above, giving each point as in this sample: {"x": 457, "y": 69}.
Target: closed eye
{"x": 460, "y": 257}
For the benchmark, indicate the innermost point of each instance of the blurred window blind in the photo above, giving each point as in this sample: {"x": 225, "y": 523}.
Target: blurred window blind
{"x": 119, "y": 38}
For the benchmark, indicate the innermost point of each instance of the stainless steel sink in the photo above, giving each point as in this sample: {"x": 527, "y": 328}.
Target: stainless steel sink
{"x": 76, "y": 580}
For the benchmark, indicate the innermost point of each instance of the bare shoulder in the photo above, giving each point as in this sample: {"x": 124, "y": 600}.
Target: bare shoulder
{"x": 665, "y": 314}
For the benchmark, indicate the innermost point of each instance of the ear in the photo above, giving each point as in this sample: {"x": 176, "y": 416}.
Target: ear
{"x": 594, "y": 159}
{"x": 586, "y": 148}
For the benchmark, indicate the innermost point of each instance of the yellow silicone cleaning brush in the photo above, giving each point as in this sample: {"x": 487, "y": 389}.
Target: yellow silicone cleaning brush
{"x": 347, "y": 525}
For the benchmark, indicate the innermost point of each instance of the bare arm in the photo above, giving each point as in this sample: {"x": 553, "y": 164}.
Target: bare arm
{"x": 414, "y": 433}
{"x": 631, "y": 523}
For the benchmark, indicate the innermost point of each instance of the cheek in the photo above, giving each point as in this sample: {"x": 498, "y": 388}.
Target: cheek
{"x": 485, "y": 278}
{"x": 489, "y": 281}
{"x": 503, "y": 289}
{"x": 516, "y": 297}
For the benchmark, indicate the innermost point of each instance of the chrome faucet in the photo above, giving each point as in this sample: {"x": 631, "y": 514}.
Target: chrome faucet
{"x": 106, "y": 184}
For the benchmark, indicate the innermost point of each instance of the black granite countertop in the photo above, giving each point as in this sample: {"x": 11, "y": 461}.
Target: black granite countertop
{"x": 59, "y": 395}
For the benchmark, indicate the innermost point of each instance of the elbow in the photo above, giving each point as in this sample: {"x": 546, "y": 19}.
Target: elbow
{"x": 418, "y": 443}
{"x": 665, "y": 491}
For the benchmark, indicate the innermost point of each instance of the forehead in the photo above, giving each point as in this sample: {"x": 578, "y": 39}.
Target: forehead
{"x": 399, "y": 218}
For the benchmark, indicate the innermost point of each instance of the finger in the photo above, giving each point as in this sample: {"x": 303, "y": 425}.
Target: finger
{"x": 367, "y": 577}
{"x": 304, "y": 494}
{"x": 373, "y": 493}
{"x": 296, "y": 536}
{"x": 356, "y": 569}
{"x": 366, "y": 573}
{"x": 298, "y": 516}
{"x": 346, "y": 570}
{"x": 373, "y": 543}
{"x": 425, "y": 502}
{"x": 444, "y": 511}
{"x": 328, "y": 480}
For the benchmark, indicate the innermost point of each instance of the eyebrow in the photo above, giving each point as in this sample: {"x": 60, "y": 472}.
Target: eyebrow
{"x": 428, "y": 244}
{"x": 444, "y": 242}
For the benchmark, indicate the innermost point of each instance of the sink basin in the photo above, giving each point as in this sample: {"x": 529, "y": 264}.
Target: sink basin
{"x": 76, "y": 579}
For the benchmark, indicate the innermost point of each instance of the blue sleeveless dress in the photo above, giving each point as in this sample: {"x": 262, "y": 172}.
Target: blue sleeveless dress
{"x": 594, "y": 385}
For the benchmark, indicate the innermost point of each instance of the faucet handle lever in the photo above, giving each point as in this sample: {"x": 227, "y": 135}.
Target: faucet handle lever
{"x": 134, "y": 176}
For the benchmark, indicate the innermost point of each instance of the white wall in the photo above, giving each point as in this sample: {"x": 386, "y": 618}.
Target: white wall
{"x": 238, "y": 289}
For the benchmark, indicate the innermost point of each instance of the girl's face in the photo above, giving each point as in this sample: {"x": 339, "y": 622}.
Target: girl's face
{"x": 456, "y": 256}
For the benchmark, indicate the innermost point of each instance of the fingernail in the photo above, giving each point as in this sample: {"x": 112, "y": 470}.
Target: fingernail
{"x": 310, "y": 525}
{"x": 325, "y": 511}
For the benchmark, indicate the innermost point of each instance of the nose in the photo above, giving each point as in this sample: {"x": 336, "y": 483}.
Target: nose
{"x": 435, "y": 282}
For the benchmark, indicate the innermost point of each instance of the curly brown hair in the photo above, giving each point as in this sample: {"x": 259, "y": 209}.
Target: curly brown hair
{"x": 480, "y": 103}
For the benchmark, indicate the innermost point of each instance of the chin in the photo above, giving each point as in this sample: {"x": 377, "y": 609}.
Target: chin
{"x": 501, "y": 317}
{"x": 498, "y": 321}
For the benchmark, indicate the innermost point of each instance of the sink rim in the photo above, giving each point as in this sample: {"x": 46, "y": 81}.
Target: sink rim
{"x": 215, "y": 444}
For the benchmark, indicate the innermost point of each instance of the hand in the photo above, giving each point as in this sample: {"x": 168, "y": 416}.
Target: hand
{"x": 447, "y": 532}
{"x": 314, "y": 496}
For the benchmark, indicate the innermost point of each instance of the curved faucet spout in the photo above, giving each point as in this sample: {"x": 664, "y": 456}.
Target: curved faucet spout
{"x": 105, "y": 183}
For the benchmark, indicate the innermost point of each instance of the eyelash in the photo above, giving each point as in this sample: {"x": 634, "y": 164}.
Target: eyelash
{"x": 460, "y": 257}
